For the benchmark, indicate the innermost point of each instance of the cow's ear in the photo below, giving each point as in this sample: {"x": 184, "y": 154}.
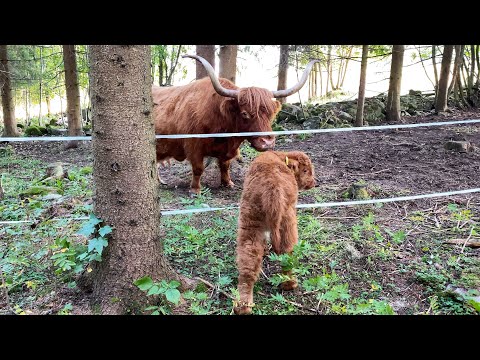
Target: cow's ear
{"x": 228, "y": 106}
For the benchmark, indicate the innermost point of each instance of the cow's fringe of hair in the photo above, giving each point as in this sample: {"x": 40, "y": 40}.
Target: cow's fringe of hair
{"x": 257, "y": 99}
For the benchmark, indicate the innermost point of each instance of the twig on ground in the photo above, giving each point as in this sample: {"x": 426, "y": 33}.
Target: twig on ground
{"x": 210, "y": 285}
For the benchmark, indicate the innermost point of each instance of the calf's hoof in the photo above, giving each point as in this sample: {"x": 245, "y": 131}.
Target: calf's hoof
{"x": 289, "y": 285}
{"x": 242, "y": 308}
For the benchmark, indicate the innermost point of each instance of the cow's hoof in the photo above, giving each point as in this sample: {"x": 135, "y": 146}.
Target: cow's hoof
{"x": 289, "y": 285}
{"x": 230, "y": 184}
{"x": 194, "y": 193}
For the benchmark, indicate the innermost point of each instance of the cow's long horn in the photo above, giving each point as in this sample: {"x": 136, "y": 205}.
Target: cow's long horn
{"x": 298, "y": 86}
{"x": 215, "y": 82}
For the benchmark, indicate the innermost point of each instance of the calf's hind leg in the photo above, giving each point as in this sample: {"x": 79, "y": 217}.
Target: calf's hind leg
{"x": 284, "y": 242}
{"x": 250, "y": 247}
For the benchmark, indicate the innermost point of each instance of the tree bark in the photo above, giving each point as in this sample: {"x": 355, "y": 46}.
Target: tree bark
{"x": 393, "y": 98}
{"x": 160, "y": 70}
{"x": 282, "y": 70}
{"x": 208, "y": 53}
{"x": 456, "y": 67}
{"x": 435, "y": 72}
{"x": 9, "y": 121}
{"x": 228, "y": 62}
{"x": 126, "y": 184}
{"x": 472, "y": 71}
{"x": 73, "y": 94}
{"x": 477, "y": 52}
{"x": 442, "y": 96}
{"x": 361, "y": 89}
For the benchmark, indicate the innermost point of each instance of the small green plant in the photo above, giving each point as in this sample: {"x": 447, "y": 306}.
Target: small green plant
{"x": 165, "y": 290}
{"x": 68, "y": 256}
{"x": 66, "y": 309}
{"x": 291, "y": 262}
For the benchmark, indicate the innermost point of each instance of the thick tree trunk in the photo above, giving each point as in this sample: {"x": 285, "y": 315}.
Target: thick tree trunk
{"x": 208, "y": 53}
{"x": 282, "y": 70}
{"x": 361, "y": 89}
{"x": 9, "y": 122}
{"x": 228, "y": 62}
{"x": 126, "y": 184}
{"x": 73, "y": 94}
{"x": 393, "y": 98}
{"x": 442, "y": 96}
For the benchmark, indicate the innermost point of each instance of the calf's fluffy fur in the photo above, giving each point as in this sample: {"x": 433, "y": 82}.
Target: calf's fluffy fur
{"x": 267, "y": 210}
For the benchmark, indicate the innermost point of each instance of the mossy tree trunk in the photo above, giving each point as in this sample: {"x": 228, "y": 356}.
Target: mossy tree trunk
{"x": 442, "y": 94}
{"x": 74, "y": 115}
{"x": 125, "y": 180}
{"x": 393, "y": 99}
{"x": 208, "y": 53}
{"x": 10, "y": 124}
{"x": 228, "y": 62}
{"x": 361, "y": 88}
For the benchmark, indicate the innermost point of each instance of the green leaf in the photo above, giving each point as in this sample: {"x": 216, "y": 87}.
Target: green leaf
{"x": 452, "y": 207}
{"x": 97, "y": 244}
{"x": 87, "y": 229}
{"x": 105, "y": 230}
{"x": 144, "y": 283}
{"x": 154, "y": 290}
{"x": 173, "y": 284}
{"x": 173, "y": 295}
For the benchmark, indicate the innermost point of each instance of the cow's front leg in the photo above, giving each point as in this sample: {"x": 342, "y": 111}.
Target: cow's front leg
{"x": 197, "y": 171}
{"x": 225, "y": 173}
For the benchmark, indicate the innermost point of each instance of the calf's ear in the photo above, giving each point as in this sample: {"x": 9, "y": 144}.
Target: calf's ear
{"x": 292, "y": 164}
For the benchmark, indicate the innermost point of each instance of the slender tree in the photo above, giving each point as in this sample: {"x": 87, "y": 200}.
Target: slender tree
{"x": 74, "y": 115}
{"x": 10, "y": 124}
{"x": 457, "y": 64}
{"x": 282, "y": 70}
{"x": 228, "y": 62}
{"x": 361, "y": 89}
{"x": 393, "y": 98}
{"x": 442, "y": 95}
{"x": 435, "y": 71}
{"x": 472, "y": 71}
{"x": 208, "y": 53}
{"x": 125, "y": 180}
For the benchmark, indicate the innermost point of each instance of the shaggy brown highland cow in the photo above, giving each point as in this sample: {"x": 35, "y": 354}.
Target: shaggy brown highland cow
{"x": 267, "y": 210}
{"x": 209, "y": 106}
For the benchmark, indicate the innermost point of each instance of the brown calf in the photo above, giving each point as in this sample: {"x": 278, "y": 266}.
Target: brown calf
{"x": 267, "y": 210}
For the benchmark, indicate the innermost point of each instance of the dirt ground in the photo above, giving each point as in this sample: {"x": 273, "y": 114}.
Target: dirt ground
{"x": 392, "y": 162}
{"x": 403, "y": 161}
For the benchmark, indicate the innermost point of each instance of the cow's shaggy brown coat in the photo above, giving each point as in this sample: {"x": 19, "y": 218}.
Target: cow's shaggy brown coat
{"x": 267, "y": 209}
{"x": 197, "y": 108}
